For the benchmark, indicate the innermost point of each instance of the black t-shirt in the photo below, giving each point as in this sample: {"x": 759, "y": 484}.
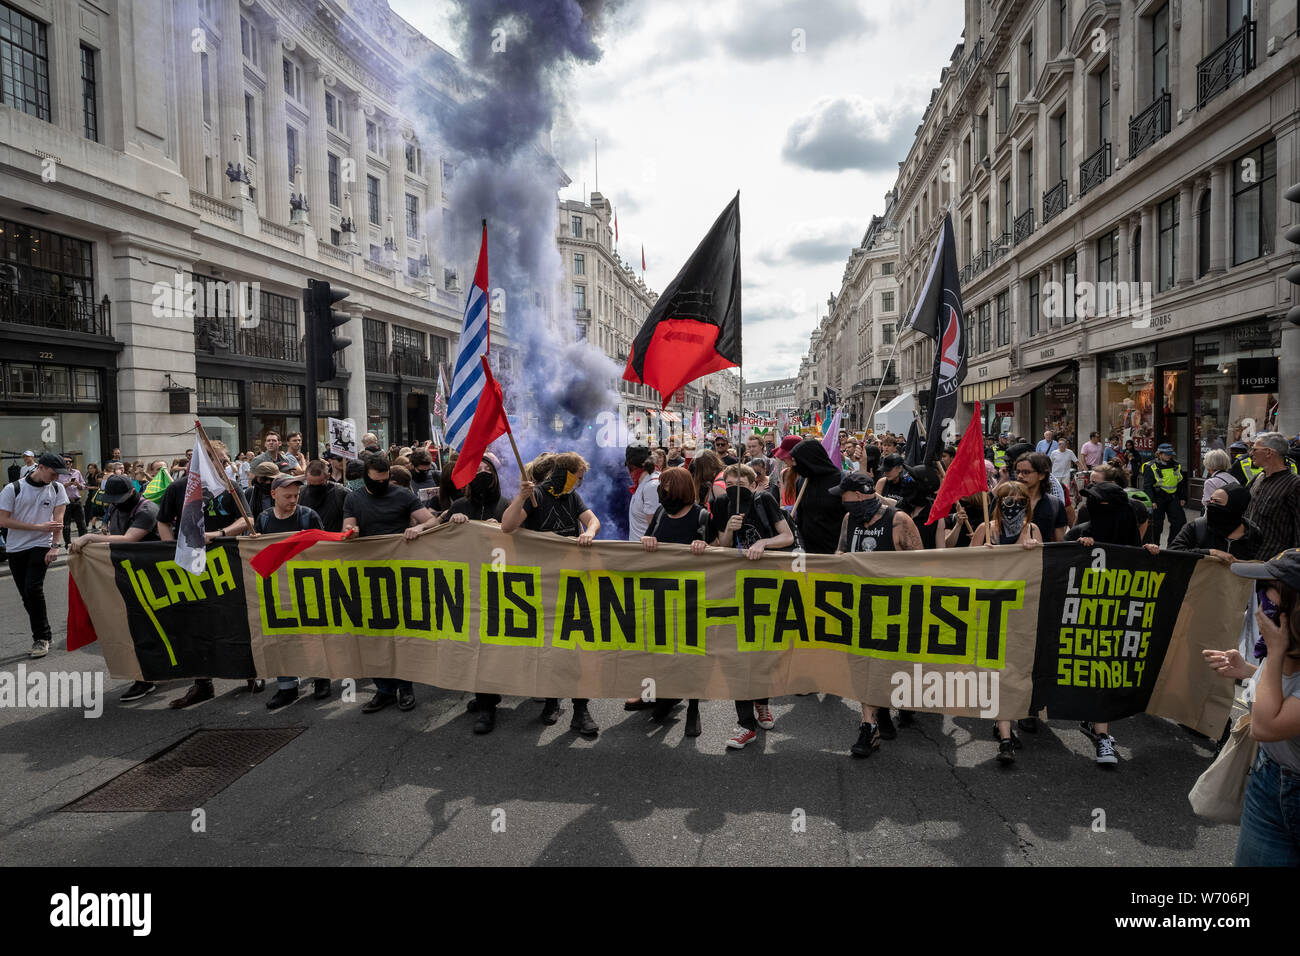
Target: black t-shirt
{"x": 692, "y": 526}
{"x": 545, "y": 512}
{"x": 327, "y": 501}
{"x": 302, "y": 519}
{"x": 219, "y": 511}
{"x": 1049, "y": 514}
{"x": 857, "y": 536}
{"x": 426, "y": 489}
{"x": 381, "y": 514}
{"x": 477, "y": 512}
{"x": 760, "y": 522}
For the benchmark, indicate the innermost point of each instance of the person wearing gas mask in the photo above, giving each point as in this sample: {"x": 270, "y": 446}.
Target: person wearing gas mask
{"x": 554, "y": 505}
{"x": 380, "y": 508}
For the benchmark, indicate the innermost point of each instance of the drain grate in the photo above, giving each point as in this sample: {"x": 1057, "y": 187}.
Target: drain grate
{"x": 186, "y": 774}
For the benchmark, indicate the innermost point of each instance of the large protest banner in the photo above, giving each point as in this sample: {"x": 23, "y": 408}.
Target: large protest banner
{"x": 1088, "y": 633}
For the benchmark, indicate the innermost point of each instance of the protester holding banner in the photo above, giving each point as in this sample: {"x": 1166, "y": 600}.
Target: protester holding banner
{"x": 1270, "y": 819}
{"x": 640, "y": 463}
{"x": 323, "y": 496}
{"x": 1045, "y": 510}
{"x": 558, "y": 508}
{"x": 375, "y": 509}
{"x": 1222, "y": 532}
{"x": 820, "y": 514}
{"x": 482, "y": 500}
{"x": 1007, "y": 520}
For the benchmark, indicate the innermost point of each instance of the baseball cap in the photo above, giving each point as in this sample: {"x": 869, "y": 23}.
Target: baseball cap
{"x": 265, "y": 469}
{"x": 787, "y": 445}
{"x": 285, "y": 480}
{"x": 854, "y": 481}
{"x": 29, "y": 454}
{"x": 51, "y": 460}
{"x": 1285, "y": 567}
{"x": 891, "y": 461}
{"x": 116, "y": 489}
{"x": 1166, "y": 449}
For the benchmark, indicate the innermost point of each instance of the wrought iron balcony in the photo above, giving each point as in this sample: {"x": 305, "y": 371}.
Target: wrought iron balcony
{"x": 1149, "y": 125}
{"x": 1055, "y": 200}
{"x": 1001, "y": 246}
{"x": 965, "y": 275}
{"x": 1234, "y": 57}
{"x": 979, "y": 263}
{"x": 1094, "y": 170}
{"x": 969, "y": 64}
{"x": 1024, "y": 227}
{"x": 221, "y": 334}
{"x": 48, "y": 310}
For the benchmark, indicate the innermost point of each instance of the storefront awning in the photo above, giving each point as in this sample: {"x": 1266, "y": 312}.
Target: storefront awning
{"x": 1027, "y": 384}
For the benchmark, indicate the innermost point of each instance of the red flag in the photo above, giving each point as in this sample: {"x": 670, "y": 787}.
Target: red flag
{"x": 81, "y": 630}
{"x": 269, "y": 559}
{"x": 966, "y": 475}
{"x": 489, "y": 424}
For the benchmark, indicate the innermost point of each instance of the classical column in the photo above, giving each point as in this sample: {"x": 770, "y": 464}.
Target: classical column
{"x": 355, "y": 357}
{"x": 274, "y": 163}
{"x": 1186, "y": 236}
{"x": 1084, "y": 271}
{"x": 1086, "y": 410}
{"x": 355, "y": 178}
{"x": 1218, "y": 217}
{"x": 1149, "y": 242}
{"x": 312, "y": 154}
{"x": 1123, "y": 268}
{"x": 230, "y": 95}
{"x": 392, "y": 134}
{"x": 189, "y": 96}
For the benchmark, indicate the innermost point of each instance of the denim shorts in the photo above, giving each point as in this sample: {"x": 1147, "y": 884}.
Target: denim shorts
{"x": 1270, "y": 817}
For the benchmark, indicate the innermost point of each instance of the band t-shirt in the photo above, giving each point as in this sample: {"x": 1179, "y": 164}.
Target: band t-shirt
{"x": 858, "y": 536}
{"x": 760, "y": 519}
{"x": 558, "y": 515}
{"x": 381, "y": 514}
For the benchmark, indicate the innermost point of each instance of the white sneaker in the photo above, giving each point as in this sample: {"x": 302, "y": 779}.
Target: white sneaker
{"x": 40, "y": 648}
{"x": 764, "y": 714}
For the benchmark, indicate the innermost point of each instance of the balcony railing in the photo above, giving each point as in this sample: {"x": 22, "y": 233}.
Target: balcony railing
{"x": 1235, "y": 57}
{"x": 1055, "y": 200}
{"x": 398, "y": 362}
{"x": 1149, "y": 125}
{"x": 979, "y": 263}
{"x": 1001, "y": 246}
{"x": 1024, "y": 227}
{"x": 221, "y": 334}
{"x": 47, "y": 310}
{"x": 969, "y": 64}
{"x": 965, "y": 275}
{"x": 1094, "y": 170}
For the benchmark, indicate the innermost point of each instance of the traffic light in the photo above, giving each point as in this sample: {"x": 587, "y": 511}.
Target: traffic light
{"x": 318, "y": 301}
{"x": 1293, "y": 237}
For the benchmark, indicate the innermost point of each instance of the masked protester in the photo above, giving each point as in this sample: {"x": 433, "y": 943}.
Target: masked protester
{"x": 261, "y": 478}
{"x": 819, "y": 513}
{"x": 482, "y": 499}
{"x": 554, "y": 505}
{"x": 677, "y": 520}
{"x": 379, "y": 508}
{"x": 1223, "y": 533}
{"x": 425, "y": 479}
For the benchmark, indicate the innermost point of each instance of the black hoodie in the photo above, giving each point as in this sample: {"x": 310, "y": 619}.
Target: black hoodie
{"x": 820, "y": 513}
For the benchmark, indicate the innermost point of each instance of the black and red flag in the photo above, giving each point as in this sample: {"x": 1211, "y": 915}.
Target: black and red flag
{"x": 694, "y": 327}
{"x": 939, "y": 315}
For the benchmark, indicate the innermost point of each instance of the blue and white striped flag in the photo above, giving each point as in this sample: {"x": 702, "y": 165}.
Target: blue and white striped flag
{"x": 467, "y": 379}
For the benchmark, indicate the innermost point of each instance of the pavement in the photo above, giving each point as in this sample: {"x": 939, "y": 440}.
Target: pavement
{"x": 420, "y": 788}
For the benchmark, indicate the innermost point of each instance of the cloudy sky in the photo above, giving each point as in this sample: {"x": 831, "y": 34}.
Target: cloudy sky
{"x": 805, "y": 106}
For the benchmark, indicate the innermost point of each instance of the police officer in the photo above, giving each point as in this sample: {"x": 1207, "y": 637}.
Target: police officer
{"x": 1244, "y": 468}
{"x": 1165, "y": 482}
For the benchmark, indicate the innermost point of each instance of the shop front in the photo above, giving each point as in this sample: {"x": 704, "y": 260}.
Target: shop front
{"x": 1054, "y": 405}
{"x": 1196, "y": 392}
{"x": 242, "y": 413}
{"x": 983, "y": 382}
{"x": 1040, "y": 398}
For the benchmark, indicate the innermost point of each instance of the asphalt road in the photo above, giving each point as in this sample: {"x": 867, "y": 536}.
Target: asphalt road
{"x": 420, "y": 788}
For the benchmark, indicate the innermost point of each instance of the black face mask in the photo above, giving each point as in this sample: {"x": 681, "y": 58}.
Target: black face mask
{"x": 421, "y": 474}
{"x": 746, "y": 498}
{"x": 670, "y": 504}
{"x": 863, "y": 510}
{"x": 482, "y": 487}
{"x": 377, "y": 487}
{"x": 1220, "y": 519}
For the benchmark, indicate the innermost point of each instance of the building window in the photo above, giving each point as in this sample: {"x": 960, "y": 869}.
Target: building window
{"x": 982, "y": 136}
{"x": 336, "y": 237}
{"x": 1034, "y": 306}
{"x": 1004, "y": 319}
{"x": 1027, "y": 75}
{"x": 579, "y": 264}
{"x": 1103, "y": 106}
{"x": 1070, "y": 271}
{"x": 412, "y": 159}
{"x": 372, "y": 199}
{"x": 248, "y": 42}
{"x": 331, "y": 110}
{"x": 1107, "y": 271}
{"x": 986, "y": 327}
{"x": 1005, "y": 185}
{"x": 1137, "y": 254}
{"x": 292, "y": 80}
{"x": 375, "y": 343}
{"x": 1203, "y": 234}
{"x": 887, "y": 334}
{"x": 89, "y": 109}
{"x": 408, "y": 341}
{"x": 218, "y": 393}
{"x": 1167, "y": 268}
{"x": 1254, "y": 204}
{"x": 1059, "y": 124}
{"x": 24, "y": 64}
{"x": 250, "y": 107}
{"x": 1002, "y": 100}
{"x": 1160, "y": 51}
{"x": 580, "y": 297}
{"x": 437, "y": 351}
{"x": 886, "y": 302}
{"x": 374, "y": 252}
{"x": 886, "y": 268}
{"x": 58, "y": 267}
{"x": 984, "y": 211}
{"x": 1062, "y": 24}
{"x": 332, "y": 174}
{"x": 291, "y": 151}
{"x": 575, "y": 225}
{"x": 372, "y": 137}
{"x": 412, "y": 216}
{"x": 205, "y": 79}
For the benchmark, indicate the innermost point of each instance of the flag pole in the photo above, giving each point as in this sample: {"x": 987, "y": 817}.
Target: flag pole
{"x": 739, "y": 415}
{"x": 239, "y": 499}
{"x": 871, "y": 419}
{"x": 988, "y": 525}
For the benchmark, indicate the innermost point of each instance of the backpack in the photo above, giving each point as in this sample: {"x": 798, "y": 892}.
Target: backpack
{"x": 259, "y": 524}
{"x": 659, "y": 514}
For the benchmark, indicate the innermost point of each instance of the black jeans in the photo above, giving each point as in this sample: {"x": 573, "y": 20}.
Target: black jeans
{"x": 390, "y": 686}
{"x": 578, "y": 703}
{"x": 29, "y": 575}
{"x": 74, "y": 512}
{"x": 1160, "y": 508}
{"x": 745, "y": 713}
{"x": 487, "y": 701}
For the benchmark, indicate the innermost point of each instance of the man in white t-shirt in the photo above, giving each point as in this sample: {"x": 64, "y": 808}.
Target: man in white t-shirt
{"x": 31, "y": 512}
{"x": 645, "y": 498}
{"x": 1063, "y": 459}
{"x": 29, "y": 462}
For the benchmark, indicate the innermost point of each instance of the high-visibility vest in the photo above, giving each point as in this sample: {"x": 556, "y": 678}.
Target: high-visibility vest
{"x": 1248, "y": 467}
{"x": 1000, "y": 457}
{"x": 1168, "y": 477}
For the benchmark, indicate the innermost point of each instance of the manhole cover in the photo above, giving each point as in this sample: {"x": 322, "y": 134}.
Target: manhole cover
{"x": 186, "y": 774}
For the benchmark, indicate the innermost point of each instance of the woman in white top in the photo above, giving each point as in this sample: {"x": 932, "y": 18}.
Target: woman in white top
{"x": 1217, "y": 476}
